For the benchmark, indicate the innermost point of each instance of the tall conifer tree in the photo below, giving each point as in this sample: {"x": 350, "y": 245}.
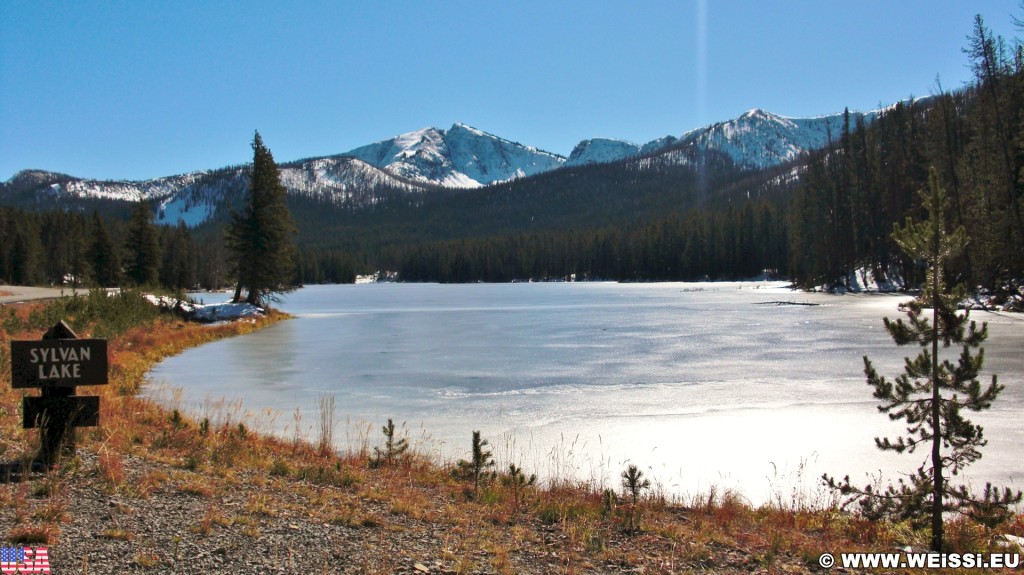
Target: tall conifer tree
{"x": 260, "y": 238}
{"x": 102, "y": 254}
{"x": 143, "y": 247}
{"x": 27, "y": 254}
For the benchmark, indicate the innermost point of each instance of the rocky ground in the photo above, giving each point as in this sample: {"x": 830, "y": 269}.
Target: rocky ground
{"x": 163, "y": 518}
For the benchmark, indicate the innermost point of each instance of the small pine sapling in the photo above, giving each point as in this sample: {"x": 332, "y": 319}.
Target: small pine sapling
{"x": 393, "y": 450}
{"x": 517, "y": 481}
{"x": 633, "y": 483}
{"x": 608, "y": 503}
{"x": 477, "y": 468}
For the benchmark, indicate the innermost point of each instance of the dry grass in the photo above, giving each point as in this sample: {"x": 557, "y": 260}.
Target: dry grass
{"x": 569, "y": 527}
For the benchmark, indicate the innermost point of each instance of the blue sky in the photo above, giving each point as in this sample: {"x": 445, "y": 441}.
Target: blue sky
{"x": 136, "y": 90}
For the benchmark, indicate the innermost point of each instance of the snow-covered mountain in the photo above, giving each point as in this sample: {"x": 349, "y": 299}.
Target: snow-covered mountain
{"x": 195, "y": 197}
{"x": 416, "y": 162}
{"x": 461, "y": 157}
{"x": 760, "y": 139}
{"x": 607, "y": 150}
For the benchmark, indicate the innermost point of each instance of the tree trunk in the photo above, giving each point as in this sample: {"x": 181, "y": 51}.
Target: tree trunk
{"x": 937, "y": 527}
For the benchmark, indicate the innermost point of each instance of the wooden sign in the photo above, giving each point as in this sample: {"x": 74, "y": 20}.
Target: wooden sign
{"x": 58, "y": 363}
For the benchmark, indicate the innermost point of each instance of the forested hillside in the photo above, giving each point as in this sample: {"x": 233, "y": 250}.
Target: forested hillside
{"x": 850, "y": 194}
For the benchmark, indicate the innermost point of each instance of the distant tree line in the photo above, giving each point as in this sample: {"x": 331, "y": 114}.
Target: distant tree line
{"x": 746, "y": 241}
{"x": 90, "y": 250}
{"x": 79, "y": 250}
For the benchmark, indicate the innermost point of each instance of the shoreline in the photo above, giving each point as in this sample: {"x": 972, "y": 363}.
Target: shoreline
{"x": 154, "y": 491}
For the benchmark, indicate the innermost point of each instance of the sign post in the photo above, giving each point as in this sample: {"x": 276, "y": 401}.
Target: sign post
{"x": 57, "y": 364}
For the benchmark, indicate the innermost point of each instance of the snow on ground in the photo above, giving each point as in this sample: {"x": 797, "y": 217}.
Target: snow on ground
{"x": 226, "y": 311}
{"x": 867, "y": 280}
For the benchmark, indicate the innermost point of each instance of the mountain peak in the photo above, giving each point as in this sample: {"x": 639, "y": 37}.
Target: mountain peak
{"x": 37, "y": 178}
{"x": 459, "y": 126}
{"x": 758, "y": 139}
{"x": 601, "y": 150}
{"x": 462, "y": 157}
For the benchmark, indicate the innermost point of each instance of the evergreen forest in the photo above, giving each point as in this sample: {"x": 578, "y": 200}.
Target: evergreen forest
{"x": 684, "y": 215}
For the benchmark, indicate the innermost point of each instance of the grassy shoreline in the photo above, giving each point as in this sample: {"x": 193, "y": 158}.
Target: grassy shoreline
{"x": 254, "y": 496}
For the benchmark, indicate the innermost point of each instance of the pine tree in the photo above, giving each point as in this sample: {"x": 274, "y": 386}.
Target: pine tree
{"x": 143, "y": 247}
{"x": 178, "y": 268}
{"x": 102, "y": 254}
{"x": 930, "y": 395}
{"x": 393, "y": 450}
{"x": 517, "y": 481}
{"x": 477, "y": 468}
{"x": 260, "y": 238}
{"x": 27, "y": 254}
{"x": 633, "y": 483}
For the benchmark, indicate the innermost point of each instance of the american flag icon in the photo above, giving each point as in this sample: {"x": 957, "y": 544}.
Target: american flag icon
{"x": 24, "y": 560}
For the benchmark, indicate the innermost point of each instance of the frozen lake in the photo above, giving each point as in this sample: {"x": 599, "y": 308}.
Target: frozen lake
{"x": 732, "y": 385}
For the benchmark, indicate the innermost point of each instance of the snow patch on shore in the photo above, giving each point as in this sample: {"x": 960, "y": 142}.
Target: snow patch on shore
{"x": 213, "y": 312}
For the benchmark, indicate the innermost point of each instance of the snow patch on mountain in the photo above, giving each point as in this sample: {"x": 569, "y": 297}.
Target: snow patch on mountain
{"x": 416, "y": 162}
{"x": 607, "y": 150}
{"x": 126, "y": 191}
{"x": 461, "y": 157}
{"x": 760, "y": 139}
{"x": 601, "y": 150}
{"x": 342, "y": 180}
{"x": 195, "y": 198}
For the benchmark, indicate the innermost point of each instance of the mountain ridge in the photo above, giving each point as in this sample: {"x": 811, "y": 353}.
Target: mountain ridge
{"x": 461, "y": 157}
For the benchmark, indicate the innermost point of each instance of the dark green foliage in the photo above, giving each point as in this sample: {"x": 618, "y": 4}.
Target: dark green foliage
{"x": 103, "y": 255}
{"x": 178, "y": 268}
{"x": 177, "y": 420}
{"x": 26, "y": 255}
{"x": 142, "y": 248}
{"x": 325, "y": 266}
{"x": 260, "y": 238}
{"x": 105, "y": 315}
{"x": 393, "y": 450}
{"x": 633, "y": 483}
{"x": 931, "y": 394}
{"x": 518, "y": 482}
{"x": 478, "y": 467}
{"x": 854, "y": 190}
{"x": 608, "y": 503}
{"x": 72, "y": 249}
{"x": 732, "y": 244}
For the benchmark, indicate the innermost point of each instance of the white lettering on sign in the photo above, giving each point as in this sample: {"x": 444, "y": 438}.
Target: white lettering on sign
{"x": 60, "y": 371}
{"x": 60, "y": 362}
{"x": 53, "y": 354}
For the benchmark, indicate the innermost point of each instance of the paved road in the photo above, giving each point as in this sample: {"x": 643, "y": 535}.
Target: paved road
{"x": 13, "y": 294}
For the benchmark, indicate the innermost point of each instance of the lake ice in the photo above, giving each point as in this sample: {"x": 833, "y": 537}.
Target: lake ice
{"x": 731, "y": 385}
